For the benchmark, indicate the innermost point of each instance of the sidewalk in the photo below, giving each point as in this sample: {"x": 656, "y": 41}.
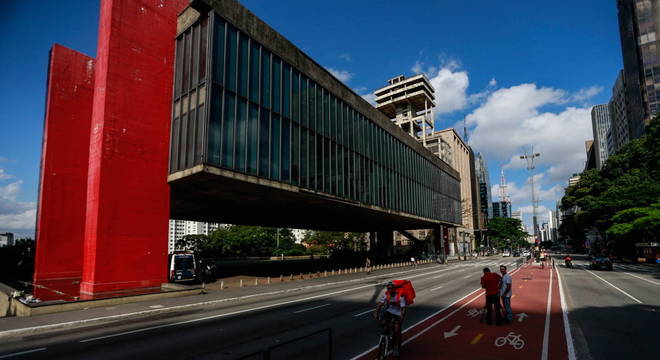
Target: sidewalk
{"x": 537, "y": 330}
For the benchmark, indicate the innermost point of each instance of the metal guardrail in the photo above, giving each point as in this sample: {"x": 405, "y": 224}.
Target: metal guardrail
{"x": 267, "y": 354}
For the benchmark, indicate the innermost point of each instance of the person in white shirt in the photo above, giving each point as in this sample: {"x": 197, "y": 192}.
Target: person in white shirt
{"x": 505, "y": 294}
{"x": 395, "y": 309}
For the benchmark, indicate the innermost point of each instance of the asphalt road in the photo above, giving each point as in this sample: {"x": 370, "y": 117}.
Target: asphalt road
{"x": 613, "y": 314}
{"x": 237, "y": 329}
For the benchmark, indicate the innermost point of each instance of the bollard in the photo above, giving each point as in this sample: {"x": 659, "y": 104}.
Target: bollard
{"x": 268, "y": 281}
{"x": 256, "y": 281}
{"x": 318, "y": 274}
{"x": 240, "y": 284}
{"x": 301, "y": 276}
{"x": 291, "y": 277}
{"x": 222, "y": 284}
{"x": 325, "y": 273}
{"x": 281, "y": 277}
{"x": 333, "y": 272}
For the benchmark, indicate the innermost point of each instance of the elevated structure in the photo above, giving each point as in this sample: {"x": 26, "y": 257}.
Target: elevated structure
{"x": 409, "y": 102}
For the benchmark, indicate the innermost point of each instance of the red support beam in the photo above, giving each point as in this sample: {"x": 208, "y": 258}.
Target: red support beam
{"x": 127, "y": 193}
{"x": 63, "y": 181}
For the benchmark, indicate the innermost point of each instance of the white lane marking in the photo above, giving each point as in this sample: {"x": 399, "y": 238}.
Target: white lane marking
{"x": 612, "y": 285}
{"x": 21, "y": 353}
{"x": 567, "y": 325}
{"x": 156, "y": 306}
{"x": 245, "y": 310}
{"x": 439, "y": 287}
{"x": 312, "y": 308}
{"x": 466, "y": 276}
{"x": 641, "y": 278}
{"x": 23, "y": 331}
{"x": 431, "y": 316}
{"x": 546, "y": 329}
{"x": 364, "y": 312}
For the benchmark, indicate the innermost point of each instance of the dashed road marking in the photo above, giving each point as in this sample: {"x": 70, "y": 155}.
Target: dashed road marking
{"x": 641, "y": 278}
{"x": 312, "y": 308}
{"x": 612, "y": 285}
{"x": 21, "y": 353}
{"x": 439, "y": 287}
{"x": 364, "y": 312}
{"x": 476, "y": 339}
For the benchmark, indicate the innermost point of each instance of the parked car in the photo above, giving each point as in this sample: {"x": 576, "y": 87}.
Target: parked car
{"x": 600, "y": 262}
{"x": 182, "y": 267}
{"x": 506, "y": 253}
{"x": 516, "y": 253}
{"x": 526, "y": 253}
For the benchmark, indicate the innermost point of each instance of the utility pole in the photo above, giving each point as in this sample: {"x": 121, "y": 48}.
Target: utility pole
{"x": 529, "y": 158}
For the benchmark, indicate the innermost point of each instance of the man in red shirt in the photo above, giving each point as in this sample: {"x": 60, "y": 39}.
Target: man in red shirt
{"x": 491, "y": 282}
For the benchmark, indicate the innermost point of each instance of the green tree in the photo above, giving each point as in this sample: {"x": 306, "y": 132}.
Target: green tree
{"x": 506, "y": 232}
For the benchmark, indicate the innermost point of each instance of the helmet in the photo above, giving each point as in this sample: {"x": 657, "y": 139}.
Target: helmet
{"x": 389, "y": 284}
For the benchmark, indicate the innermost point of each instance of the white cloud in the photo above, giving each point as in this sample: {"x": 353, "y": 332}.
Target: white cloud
{"x": 15, "y": 215}
{"x": 511, "y": 120}
{"x": 4, "y": 176}
{"x": 371, "y": 98}
{"x": 450, "y": 84}
{"x": 342, "y": 75}
{"x": 346, "y": 57}
{"x": 492, "y": 82}
{"x": 528, "y": 213}
{"x": 585, "y": 94}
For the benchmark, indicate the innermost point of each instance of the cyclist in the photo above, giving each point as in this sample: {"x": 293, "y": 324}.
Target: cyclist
{"x": 395, "y": 309}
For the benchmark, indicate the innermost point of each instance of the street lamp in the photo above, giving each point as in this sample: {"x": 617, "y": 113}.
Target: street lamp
{"x": 529, "y": 158}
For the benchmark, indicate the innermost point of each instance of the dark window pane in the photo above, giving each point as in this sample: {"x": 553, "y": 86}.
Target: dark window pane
{"x": 186, "y": 61}
{"x": 199, "y": 145}
{"x": 286, "y": 146}
{"x": 296, "y": 97}
{"x": 304, "y": 116}
{"x": 218, "y": 50}
{"x": 265, "y": 78}
{"x": 286, "y": 91}
{"x": 277, "y": 83}
{"x": 252, "y": 139}
{"x": 241, "y": 132}
{"x": 232, "y": 54}
{"x": 179, "y": 67}
{"x": 202, "y": 48}
{"x": 254, "y": 72}
{"x": 228, "y": 130}
{"x": 264, "y": 147}
{"x": 215, "y": 126}
{"x": 312, "y": 105}
{"x": 321, "y": 183}
{"x": 243, "y": 65}
{"x": 194, "y": 56}
{"x": 275, "y": 147}
{"x": 312, "y": 160}
{"x": 295, "y": 152}
{"x": 319, "y": 110}
{"x": 303, "y": 158}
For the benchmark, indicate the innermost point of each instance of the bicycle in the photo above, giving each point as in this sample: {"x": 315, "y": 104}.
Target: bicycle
{"x": 386, "y": 341}
{"x": 512, "y": 339}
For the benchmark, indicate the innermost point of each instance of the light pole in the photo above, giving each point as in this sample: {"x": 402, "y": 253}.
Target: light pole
{"x": 529, "y": 158}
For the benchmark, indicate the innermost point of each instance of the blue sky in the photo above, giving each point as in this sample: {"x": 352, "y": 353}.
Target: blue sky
{"x": 517, "y": 72}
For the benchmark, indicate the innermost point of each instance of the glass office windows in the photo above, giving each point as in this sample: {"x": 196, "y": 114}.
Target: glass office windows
{"x": 326, "y": 166}
{"x": 312, "y": 160}
{"x": 186, "y": 61}
{"x": 286, "y": 90}
{"x": 312, "y": 105}
{"x": 228, "y": 130}
{"x": 326, "y": 113}
{"x": 241, "y": 134}
{"x": 202, "y": 49}
{"x": 218, "y": 50}
{"x": 243, "y": 65}
{"x": 265, "y": 78}
{"x": 320, "y": 108}
{"x": 254, "y": 71}
{"x": 252, "y": 139}
{"x": 232, "y": 54}
{"x": 295, "y": 94}
{"x": 295, "y": 153}
{"x": 286, "y": 148}
{"x": 304, "y": 101}
{"x": 303, "y": 158}
{"x": 275, "y": 155}
{"x": 215, "y": 126}
{"x": 277, "y": 83}
{"x": 264, "y": 143}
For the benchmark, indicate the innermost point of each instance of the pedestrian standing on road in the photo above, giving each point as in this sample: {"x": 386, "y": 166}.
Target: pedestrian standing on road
{"x": 505, "y": 294}
{"x": 491, "y": 282}
{"x": 414, "y": 263}
{"x": 368, "y": 265}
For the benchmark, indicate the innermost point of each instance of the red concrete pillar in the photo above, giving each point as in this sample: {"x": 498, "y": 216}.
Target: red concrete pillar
{"x": 63, "y": 182}
{"x": 127, "y": 193}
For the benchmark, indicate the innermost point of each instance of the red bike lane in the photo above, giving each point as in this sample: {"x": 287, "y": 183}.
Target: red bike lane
{"x": 537, "y": 330}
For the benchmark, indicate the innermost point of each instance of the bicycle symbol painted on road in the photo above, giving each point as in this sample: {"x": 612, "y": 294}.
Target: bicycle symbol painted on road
{"x": 475, "y": 312}
{"x": 512, "y": 339}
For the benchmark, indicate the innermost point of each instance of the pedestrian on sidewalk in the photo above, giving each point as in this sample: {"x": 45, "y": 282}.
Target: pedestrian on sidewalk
{"x": 491, "y": 282}
{"x": 505, "y": 294}
{"x": 367, "y": 265}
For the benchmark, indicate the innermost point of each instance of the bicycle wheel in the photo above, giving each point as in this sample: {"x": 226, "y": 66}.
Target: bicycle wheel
{"x": 500, "y": 341}
{"x": 383, "y": 345}
{"x": 519, "y": 344}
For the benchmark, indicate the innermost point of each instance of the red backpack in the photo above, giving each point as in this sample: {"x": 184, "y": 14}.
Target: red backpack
{"x": 403, "y": 288}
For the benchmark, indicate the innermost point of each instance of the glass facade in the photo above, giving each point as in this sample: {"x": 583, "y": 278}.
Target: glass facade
{"x": 270, "y": 120}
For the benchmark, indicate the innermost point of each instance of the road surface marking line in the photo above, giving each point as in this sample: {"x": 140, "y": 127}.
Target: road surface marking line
{"x": 612, "y": 285}
{"x": 546, "y": 330}
{"x": 520, "y": 287}
{"x": 241, "y": 311}
{"x": 466, "y": 276}
{"x": 364, "y": 312}
{"x": 476, "y": 339}
{"x": 21, "y": 353}
{"x": 312, "y": 308}
{"x": 641, "y": 278}
{"x": 156, "y": 306}
{"x": 434, "y": 289}
{"x": 567, "y": 325}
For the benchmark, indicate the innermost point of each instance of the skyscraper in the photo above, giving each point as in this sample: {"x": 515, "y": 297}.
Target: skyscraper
{"x": 600, "y": 124}
{"x": 483, "y": 182}
{"x": 639, "y": 20}
{"x": 501, "y": 209}
{"x": 619, "y": 131}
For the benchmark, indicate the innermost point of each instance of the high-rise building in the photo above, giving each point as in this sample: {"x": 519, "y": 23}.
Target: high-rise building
{"x": 600, "y": 124}
{"x": 639, "y": 22}
{"x": 6, "y": 239}
{"x": 501, "y": 209}
{"x": 552, "y": 225}
{"x": 573, "y": 180}
{"x": 483, "y": 182}
{"x": 618, "y": 108}
{"x": 180, "y": 228}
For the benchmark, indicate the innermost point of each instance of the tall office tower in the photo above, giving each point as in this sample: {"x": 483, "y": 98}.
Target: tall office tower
{"x": 180, "y": 228}
{"x": 483, "y": 182}
{"x": 619, "y": 113}
{"x": 552, "y": 225}
{"x": 502, "y": 209}
{"x": 409, "y": 103}
{"x": 639, "y": 21}
{"x": 600, "y": 124}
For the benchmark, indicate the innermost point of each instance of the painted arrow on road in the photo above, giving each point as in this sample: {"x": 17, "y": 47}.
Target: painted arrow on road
{"x": 521, "y": 317}
{"x": 453, "y": 332}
